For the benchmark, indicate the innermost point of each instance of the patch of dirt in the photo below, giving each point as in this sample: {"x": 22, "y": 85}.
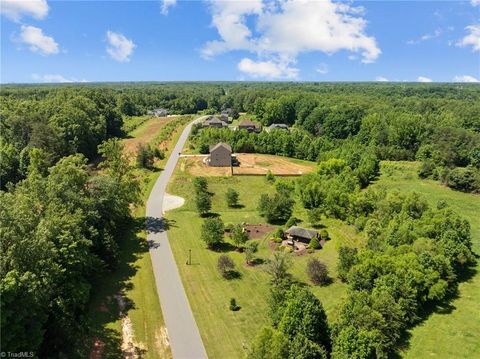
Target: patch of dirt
{"x": 148, "y": 133}
{"x": 250, "y": 164}
{"x": 130, "y": 348}
{"x": 258, "y": 231}
{"x": 162, "y": 341}
{"x": 171, "y": 202}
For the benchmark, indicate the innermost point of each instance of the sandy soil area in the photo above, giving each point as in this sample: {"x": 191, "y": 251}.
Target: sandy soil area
{"x": 250, "y": 164}
{"x": 147, "y": 134}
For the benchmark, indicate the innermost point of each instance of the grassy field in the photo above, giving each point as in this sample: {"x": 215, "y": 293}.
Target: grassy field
{"x": 134, "y": 276}
{"x": 226, "y": 334}
{"x": 452, "y": 331}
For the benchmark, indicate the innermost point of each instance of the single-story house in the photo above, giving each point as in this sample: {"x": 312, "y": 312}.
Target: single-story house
{"x": 300, "y": 234}
{"x": 214, "y": 121}
{"x": 277, "y": 126}
{"x": 249, "y": 125}
{"x": 158, "y": 112}
{"x": 220, "y": 155}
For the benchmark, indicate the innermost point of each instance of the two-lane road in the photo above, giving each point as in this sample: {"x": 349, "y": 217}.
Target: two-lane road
{"x": 185, "y": 340}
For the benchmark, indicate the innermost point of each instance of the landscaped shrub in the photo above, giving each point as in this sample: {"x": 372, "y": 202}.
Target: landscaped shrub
{"x": 314, "y": 243}
{"x": 212, "y": 232}
{"x": 225, "y": 266}
{"x": 324, "y": 234}
{"x": 317, "y": 272}
{"x": 292, "y": 221}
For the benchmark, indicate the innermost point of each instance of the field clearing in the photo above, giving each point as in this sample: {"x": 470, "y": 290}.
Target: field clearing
{"x": 145, "y": 133}
{"x": 452, "y": 331}
{"x": 250, "y": 164}
{"x": 227, "y": 334}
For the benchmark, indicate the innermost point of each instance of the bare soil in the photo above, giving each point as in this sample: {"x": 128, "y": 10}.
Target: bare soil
{"x": 250, "y": 164}
{"x": 149, "y": 131}
{"x": 258, "y": 231}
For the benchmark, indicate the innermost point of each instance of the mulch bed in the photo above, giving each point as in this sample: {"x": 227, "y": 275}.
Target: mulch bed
{"x": 258, "y": 231}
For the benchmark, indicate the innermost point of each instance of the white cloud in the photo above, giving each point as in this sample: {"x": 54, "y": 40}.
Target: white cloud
{"x": 381, "y": 79}
{"x": 280, "y": 31}
{"x": 120, "y": 48}
{"x": 37, "y": 40}
{"x": 267, "y": 69}
{"x": 56, "y": 78}
{"x": 322, "y": 68}
{"x": 472, "y": 39}
{"x": 427, "y": 37}
{"x": 16, "y": 9}
{"x": 166, "y": 5}
{"x": 423, "y": 79}
{"x": 475, "y": 2}
{"x": 465, "y": 78}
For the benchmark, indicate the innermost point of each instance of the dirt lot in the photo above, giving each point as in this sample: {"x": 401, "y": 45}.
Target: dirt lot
{"x": 250, "y": 164}
{"x": 145, "y": 133}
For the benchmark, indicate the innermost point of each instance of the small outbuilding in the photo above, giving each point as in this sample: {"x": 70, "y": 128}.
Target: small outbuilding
{"x": 158, "y": 112}
{"x": 301, "y": 234}
{"x": 250, "y": 126}
{"x": 220, "y": 155}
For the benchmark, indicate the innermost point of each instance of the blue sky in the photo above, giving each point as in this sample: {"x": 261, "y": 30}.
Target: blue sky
{"x": 63, "y": 41}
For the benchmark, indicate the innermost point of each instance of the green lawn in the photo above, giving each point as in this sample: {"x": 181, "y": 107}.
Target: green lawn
{"x": 226, "y": 334}
{"x": 453, "y": 332}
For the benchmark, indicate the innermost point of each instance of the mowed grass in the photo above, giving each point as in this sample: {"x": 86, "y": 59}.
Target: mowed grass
{"x": 452, "y": 332}
{"x": 227, "y": 334}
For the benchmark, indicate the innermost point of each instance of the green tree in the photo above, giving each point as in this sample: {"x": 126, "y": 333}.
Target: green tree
{"x": 239, "y": 236}
{"x": 347, "y": 258}
{"x": 250, "y": 249}
{"x": 212, "y": 232}
{"x": 203, "y": 203}
{"x": 278, "y": 266}
{"x": 231, "y": 197}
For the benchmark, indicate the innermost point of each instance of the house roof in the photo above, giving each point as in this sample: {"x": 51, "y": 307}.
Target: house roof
{"x": 247, "y": 123}
{"x": 221, "y": 145}
{"x": 213, "y": 120}
{"x": 301, "y": 232}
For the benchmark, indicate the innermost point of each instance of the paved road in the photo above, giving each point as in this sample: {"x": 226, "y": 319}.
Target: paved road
{"x": 185, "y": 340}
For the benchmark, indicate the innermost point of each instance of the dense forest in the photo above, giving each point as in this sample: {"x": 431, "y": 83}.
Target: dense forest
{"x": 61, "y": 222}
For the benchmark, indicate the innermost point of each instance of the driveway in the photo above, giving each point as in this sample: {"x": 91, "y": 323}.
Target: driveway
{"x": 185, "y": 340}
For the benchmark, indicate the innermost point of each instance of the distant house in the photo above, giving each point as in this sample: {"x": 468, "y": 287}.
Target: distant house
{"x": 300, "y": 234}
{"x": 158, "y": 112}
{"x": 249, "y": 125}
{"x": 220, "y": 155}
{"x": 224, "y": 118}
{"x": 277, "y": 126}
{"x": 214, "y": 121}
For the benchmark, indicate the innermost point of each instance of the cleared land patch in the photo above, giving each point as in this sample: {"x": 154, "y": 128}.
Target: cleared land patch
{"x": 250, "y": 164}
{"x": 145, "y": 133}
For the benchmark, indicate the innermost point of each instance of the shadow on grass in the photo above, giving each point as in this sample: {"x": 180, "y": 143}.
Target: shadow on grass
{"x": 223, "y": 247}
{"x": 108, "y": 303}
{"x": 443, "y": 307}
{"x": 232, "y": 274}
{"x": 257, "y": 261}
{"x": 237, "y": 206}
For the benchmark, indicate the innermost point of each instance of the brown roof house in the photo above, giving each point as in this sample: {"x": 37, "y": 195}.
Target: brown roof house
{"x": 214, "y": 121}
{"x": 220, "y": 155}
{"x": 249, "y": 125}
{"x": 300, "y": 234}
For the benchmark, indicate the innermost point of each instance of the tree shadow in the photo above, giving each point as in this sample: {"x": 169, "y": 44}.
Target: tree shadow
{"x": 157, "y": 225}
{"x": 210, "y": 215}
{"x": 108, "y": 303}
{"x": 223, "y": 247}
{"x": 257, "y": 261}
{"x": 232, "y": 274}
{"x": 237, "y": 206}
{"x": 443, "y": 307}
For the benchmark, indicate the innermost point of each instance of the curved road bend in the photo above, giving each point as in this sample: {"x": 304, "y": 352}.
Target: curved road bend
{"x": 185, "y": 340}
